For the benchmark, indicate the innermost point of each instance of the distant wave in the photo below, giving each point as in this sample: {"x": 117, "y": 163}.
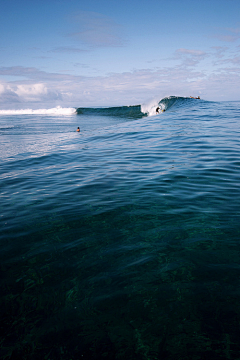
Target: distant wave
{"x": 127, "y": 112}
{"x": 53, "y": 111}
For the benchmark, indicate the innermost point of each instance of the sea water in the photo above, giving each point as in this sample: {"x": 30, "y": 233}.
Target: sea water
{"x": 121, "y": 241}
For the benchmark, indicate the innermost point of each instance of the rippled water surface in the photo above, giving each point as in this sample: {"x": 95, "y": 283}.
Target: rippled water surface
{"x": 121, "y": 241}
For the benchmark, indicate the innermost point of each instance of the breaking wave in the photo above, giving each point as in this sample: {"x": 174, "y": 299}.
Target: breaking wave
{"x": 127, "y": 112}
{"x": 139, "y": 111}
{"x": 174, "y": 102}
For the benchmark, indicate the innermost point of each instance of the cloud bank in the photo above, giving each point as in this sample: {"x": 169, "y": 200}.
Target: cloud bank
{"x": 187, "y": 77}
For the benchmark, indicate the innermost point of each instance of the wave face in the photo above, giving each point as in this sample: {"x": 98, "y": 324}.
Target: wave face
{"x": 129, "y": 112}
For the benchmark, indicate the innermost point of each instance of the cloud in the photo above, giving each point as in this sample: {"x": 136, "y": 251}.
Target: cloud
{"x": 8, "y": 95}
{"x": 195, "y": 53}
{"x": 127, "y": 88}
{"x": 219, "y": 51}
{"x": 224, "y": 56}
{"x": 35, "y": 74}
{"x": 23, "y": 93}
{"x": 117, "y": 88}
{"x": 96, "y": 30}
{"x": 226, "y": 38}
{"x": 233, "y": 30}
{"x": 68, "y": 49}
{"x": 235, "y": 60}
{"x": 36, "y": 92}
{"x": 189, "y": 57}
{"x": 228, "y": 34}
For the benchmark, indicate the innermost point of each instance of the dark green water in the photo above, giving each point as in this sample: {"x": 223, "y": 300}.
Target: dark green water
{"x": 123, "y": 241}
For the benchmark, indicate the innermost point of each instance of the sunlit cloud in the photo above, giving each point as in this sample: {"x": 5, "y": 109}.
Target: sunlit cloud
{"x": 22, "y": 93}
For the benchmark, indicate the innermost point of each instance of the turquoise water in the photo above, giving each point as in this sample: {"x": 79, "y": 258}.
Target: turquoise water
{"x": 121, "y": 241}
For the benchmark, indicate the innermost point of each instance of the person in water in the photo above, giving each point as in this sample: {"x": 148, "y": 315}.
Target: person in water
{"x": 78, "y": 129}
{"x": 158, "y": 110}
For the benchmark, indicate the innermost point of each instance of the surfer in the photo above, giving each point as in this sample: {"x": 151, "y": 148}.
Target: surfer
{"x": 78, "y": 129}
{"x": 157, "y": 110}
{"x": 195, "y": 97}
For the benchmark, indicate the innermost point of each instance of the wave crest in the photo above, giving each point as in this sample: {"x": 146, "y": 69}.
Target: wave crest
{"x": 165, "y": 104}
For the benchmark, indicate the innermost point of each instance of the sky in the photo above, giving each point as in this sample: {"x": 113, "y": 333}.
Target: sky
{"x": 74, "y": 53}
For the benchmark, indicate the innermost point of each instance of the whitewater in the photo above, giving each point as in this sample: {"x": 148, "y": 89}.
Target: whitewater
{"x": 53, "y": 111}
{"x": 120, "y": 241}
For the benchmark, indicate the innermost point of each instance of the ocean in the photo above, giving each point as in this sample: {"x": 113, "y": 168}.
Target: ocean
{"x": 121, "y": 241}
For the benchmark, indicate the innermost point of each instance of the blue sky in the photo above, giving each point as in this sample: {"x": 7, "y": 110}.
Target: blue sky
{"x": 118, "y": 52}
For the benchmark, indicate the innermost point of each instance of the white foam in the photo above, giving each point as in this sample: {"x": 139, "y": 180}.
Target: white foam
{"x": 150, "y": 107}
{"x": 53, "y": 111}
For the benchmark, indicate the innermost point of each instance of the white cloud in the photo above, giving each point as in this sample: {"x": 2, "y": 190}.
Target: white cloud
{"x": 27, "y": 93}
{"x": 31, "y": 90}
{"x": 2, "y": 89}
